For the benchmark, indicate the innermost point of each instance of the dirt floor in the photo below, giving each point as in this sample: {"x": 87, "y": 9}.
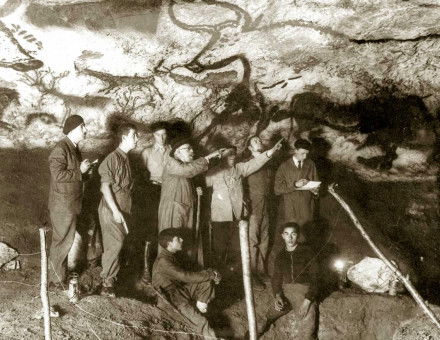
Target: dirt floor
{"x": 137, "y": 314}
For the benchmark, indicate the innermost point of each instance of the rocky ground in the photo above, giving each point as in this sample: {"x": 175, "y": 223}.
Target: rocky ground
{"x": 350, "y": 314}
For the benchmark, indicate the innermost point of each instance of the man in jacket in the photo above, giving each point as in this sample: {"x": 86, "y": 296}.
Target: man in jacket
{"x": 153, "y": 158}
{"x": 296, "y": 205}
{"x": 294, "y": 282}
{"x": 115, "y": 207}
{"x": 189, "y": 292}
{"x": 259, "y": 189}
{"x": 177, "y": 196}
{"x": 227, "y": 198}
{"x": 65, "y": 195}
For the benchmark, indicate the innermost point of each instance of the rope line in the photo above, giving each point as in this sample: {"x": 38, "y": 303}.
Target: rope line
{"x": 322, "y": 248}
{"x": 130, "y": 326}
{"x": 22, "y": 283}
{"x": 30, "y": 254}
{"x": 94, "y": 333}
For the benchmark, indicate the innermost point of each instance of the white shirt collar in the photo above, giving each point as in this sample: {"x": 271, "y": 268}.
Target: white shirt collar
{"x": 160, "y": 147}
{"x": 295, "y": 161}
{"x": 74, "y": 144}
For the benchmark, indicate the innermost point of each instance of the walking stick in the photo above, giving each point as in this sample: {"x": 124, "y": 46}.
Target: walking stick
{"x": 210, "y": 244}
{"x": 43, "y": 290}
{"x": 246, "y": 265}
{"x": 146, "y": 277}
{"x": 389, "y": 264}
{"x": 199, "y": 245}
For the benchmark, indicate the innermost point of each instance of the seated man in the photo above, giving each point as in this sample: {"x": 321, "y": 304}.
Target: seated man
{"x": 294, "y": 282}
{"x": 180, "y": 287}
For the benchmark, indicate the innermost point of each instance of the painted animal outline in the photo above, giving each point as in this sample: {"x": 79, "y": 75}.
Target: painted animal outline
{"x": 12, "y": 54}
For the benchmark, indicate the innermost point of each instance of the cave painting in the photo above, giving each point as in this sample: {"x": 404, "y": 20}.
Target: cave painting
{"x": 13, "y": 55}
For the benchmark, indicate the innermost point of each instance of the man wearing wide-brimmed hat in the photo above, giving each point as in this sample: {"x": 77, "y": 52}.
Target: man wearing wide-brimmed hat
{"x": 178, "y": 194}
{"x": 65, "y": 195}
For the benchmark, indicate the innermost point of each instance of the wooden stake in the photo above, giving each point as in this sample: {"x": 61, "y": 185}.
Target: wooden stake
{"x": 198, "y": 246}
{"x": 147, "y": 256}
{"x": 379, "y": 253}
{"x": 43, "y": 290}
{"x": 247, "y": 280}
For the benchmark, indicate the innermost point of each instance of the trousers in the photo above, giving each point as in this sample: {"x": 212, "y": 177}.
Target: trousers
{"x": 183, "y": 298}
{"x": 64, "y": 228}
{"x": 259, "y": 233}
{"x": 225, "y": 243}
{"x": 295, "y": 293}
{"x": 113, "y": 236}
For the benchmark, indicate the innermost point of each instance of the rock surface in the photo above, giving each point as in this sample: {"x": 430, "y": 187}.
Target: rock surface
{"x": 351, "y": 315}
{"x": 6, "y": 253}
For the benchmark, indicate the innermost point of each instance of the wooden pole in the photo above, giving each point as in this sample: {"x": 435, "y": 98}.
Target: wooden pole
{"x": 406, "y": 281}
{"x": 146, "y": 276}
{"x": 43, "y": 290}
{"x": 147, "y": 255}
{"x": 198, "y": 245}
{"x": 247, "y": 280}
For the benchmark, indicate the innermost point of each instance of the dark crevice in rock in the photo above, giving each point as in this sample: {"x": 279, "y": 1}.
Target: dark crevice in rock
{"x": 385, "y": 40}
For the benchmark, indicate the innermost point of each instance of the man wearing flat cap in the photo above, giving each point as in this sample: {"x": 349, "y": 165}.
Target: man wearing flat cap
{"x": 177, "y": 195}
{"x": 65, "y": 195}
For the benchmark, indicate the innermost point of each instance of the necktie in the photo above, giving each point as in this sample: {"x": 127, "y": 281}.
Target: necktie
{"x": 300, "y": 164}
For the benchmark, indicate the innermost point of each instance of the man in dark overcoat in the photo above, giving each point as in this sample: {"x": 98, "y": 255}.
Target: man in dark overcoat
{"x": 65, "y": 195}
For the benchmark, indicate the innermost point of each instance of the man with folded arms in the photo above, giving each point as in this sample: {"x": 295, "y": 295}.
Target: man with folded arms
{"x": 189, "y": 292}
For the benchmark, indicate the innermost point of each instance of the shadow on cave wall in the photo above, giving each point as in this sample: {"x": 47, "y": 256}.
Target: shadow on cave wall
{"x": 138, "y": 15}
{"x": 390, "y": 120}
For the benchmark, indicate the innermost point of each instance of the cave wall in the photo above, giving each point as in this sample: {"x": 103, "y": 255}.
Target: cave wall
{"x": 323, "y": 69}
{"x": 180, "y": 59}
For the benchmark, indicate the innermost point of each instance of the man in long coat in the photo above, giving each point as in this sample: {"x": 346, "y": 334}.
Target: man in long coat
{"x": 296, "y": 205}
{"x": 177, "y": 195}
{"x": 65, "y": 195}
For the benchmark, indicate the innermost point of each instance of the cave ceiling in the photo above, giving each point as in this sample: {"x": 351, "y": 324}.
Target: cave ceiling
{"x": 226, "y": 67}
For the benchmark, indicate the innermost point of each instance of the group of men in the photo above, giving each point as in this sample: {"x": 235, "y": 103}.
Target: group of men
{"x": 240, "y": 190}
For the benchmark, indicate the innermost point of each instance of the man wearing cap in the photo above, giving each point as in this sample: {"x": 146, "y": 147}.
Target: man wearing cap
{"x": 296, "y": 205}
{"x": 177, "y": 195}
{"x": 153, "y": 158}
{"x": 65, "y": 195}
{"x": 115, "y": 206}
{"x": 227, "y": 206}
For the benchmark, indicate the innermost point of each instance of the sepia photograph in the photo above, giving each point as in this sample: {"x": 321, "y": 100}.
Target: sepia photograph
{"x": 220, "y": 169}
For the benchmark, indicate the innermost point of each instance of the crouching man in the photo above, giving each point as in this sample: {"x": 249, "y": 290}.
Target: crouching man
{"x": 294, "y": 282}
{"x": 189, "y": 292}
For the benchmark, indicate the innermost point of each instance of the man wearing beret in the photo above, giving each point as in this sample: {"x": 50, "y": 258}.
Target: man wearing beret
{"x": 65, "y": 195}
{"x": 177, "y": 195}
